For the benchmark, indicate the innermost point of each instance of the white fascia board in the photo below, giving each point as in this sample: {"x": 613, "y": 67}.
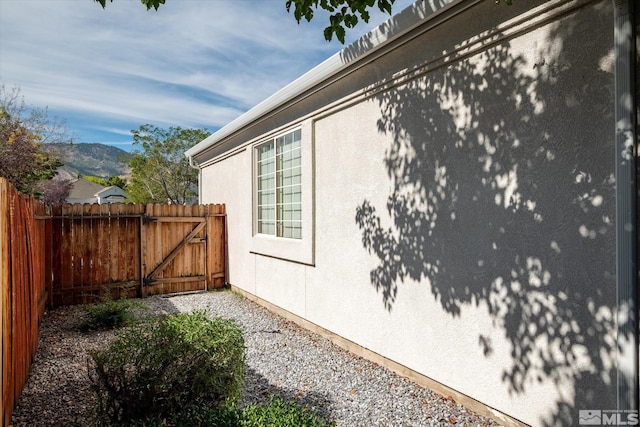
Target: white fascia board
{"x": 301, "y": 84}
{"x": 418, "y": 13}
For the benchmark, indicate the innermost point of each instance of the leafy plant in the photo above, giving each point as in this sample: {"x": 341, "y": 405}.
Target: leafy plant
{"x": 54, "y": 190}
{"x": 161, "y": 366}
{"x": 276, "y": 413}
{"x": 25, "y": 156}
{"x": 279, "y": 413}
{"x": 109, "y": 313}
{"x": 108, "y": 182}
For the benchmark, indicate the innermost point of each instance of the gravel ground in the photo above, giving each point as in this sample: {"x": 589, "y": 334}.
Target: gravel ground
{"x": 283, "y": 359}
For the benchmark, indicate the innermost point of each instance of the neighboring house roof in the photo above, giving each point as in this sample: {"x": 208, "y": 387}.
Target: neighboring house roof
{"x": 85, "y": 191}
{"x": 356, "y": 55}
{"x": 113, "y": 193}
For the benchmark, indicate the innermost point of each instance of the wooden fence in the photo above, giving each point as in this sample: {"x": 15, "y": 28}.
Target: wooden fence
{"x": 138, "y": 249}
{"x": 23, "y": 280}
{"x": 70, "y": 254}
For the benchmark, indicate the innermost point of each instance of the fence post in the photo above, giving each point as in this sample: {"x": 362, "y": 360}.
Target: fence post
{"x": 4, "y": 283}
{"x": 141, "y": 242}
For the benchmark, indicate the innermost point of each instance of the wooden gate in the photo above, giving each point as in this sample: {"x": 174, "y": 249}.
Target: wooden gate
{"x": 136, "y": 249}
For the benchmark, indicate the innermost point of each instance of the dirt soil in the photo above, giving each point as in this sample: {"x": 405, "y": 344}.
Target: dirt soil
{"x": 57, "y": 392}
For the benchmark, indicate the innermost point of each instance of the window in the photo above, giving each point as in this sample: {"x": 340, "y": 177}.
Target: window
{"x": 279, "y": 186}
{"x": 282, "y": 195}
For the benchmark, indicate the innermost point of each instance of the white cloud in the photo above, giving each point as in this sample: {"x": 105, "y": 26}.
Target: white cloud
{"x": 192, "y": 63}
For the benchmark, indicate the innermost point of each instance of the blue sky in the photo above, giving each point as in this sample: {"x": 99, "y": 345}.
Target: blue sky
{"x": 193, "y": 63}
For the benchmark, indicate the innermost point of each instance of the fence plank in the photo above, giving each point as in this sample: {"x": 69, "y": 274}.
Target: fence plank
{"x": 76, "y": 246}
{"x": 173, "y": 233}
{"x": 136, "y": 290}
{"x": 216, "y": 244}
{"x": 18, "y": 275}
{"x": 48, "y": 266}
{"x": 200, "y": 249}
{"x": 114, "y": 249}
{"x": 65, "y": 257}
{"x": 93, "y": 252}
{"x": 132, "y": 253}
{"x": 7, "y": 403}
{"x": 103, "y": 241}
{"x": 56, "y": 231}
{"x": 22, "y": 281}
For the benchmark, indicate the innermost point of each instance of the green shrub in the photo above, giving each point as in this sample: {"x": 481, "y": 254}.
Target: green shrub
{"x": 276, "y": 413}
{"x": 195, "y": 416}
{"x": 163, "y": 365}
{"x": 108, "y": 313}
{"x": 279, "y": 413}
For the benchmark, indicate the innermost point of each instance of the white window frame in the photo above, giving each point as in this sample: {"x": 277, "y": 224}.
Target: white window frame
{"x": 300, "y": 249}
{"x": 279, "y": 186}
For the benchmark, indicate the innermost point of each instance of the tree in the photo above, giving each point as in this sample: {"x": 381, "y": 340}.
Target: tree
{"x": 344, "y": 13}
{"x": 55, "y": 191}
{"x": 160, "y": 172}
{"x": 25, "y": 159}
{"x": 117, "y": 181}
{"x": 108, "y": 182}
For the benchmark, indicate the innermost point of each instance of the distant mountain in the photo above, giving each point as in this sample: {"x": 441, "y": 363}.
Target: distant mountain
{"x": 92, "y": 159}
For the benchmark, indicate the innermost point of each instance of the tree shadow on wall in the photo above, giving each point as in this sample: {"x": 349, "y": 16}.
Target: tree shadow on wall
{"x": 503, "y": 198}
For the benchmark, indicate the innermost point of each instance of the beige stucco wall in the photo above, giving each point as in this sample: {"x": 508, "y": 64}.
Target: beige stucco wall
{"x": 463, "y": 209}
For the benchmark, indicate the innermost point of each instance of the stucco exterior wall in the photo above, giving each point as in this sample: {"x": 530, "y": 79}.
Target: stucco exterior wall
{"x": 230, "y": 181}
{"x": 463, "y": 208}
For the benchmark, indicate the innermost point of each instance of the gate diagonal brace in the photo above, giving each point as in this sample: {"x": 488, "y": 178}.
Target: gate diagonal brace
{"x": 176, "y": 250}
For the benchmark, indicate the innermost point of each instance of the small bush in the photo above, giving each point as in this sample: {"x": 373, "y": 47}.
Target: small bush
{"x": 277, "y": 413}
{"x": 195, "y": 416}
{"x": 163, "y": 365}
{"x": 108, "y": 314}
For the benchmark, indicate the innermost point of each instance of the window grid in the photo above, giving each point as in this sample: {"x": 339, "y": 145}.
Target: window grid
{"x": 279, "y": 186}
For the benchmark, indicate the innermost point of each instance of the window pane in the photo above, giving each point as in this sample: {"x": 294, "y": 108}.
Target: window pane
{"x": 296, "y": 213}
{"x": 292, "y": 231}
{"x": 266, "y": 227}
{"x": 292, "y": 196}
{"x": 266, "y": 198}
{"x": 266, "y": 182}
{"x": 290, "y": 160}
{"x": 266, "y": 213}
{"x": 266, "y": 167}
{"x": 265, "y": 151}
{"x": 285, "y": 213}
{"x": 279, "y": 186}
